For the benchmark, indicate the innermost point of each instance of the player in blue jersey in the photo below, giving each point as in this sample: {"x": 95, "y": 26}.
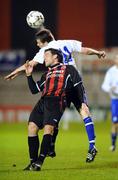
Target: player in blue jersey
{"x": 46, "y": 40}
{"x": 110, "y": 85}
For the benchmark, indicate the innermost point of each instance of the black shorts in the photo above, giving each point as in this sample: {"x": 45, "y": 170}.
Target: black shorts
{"x": 77, "y": 96}
{"x": 48, "y": 110}
{"x": 37, "y": 114}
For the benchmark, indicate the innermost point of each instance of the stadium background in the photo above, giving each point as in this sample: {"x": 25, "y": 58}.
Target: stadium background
{"x": 92, "y": 22}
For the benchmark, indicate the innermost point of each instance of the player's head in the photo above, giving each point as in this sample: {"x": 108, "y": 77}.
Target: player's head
{"x": 52, "y": 57}
{"x": 43, "y": 37}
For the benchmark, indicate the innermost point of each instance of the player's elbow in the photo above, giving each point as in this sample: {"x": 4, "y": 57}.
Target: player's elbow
{"x": 85, "y": 51}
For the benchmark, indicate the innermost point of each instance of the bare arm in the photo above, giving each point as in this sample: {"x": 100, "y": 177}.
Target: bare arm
{"x": 90, "y": 51}
{"x": 16, "y": 72}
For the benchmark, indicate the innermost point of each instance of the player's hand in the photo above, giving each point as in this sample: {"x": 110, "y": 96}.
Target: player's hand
{"x": 101, "y": 54}
{"x": 28, "y": 68}
{"x": 11, "y": 76}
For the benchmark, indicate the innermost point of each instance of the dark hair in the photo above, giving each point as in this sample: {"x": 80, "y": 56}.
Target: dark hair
{"x": 57, "y": 52}
{"x": 44, "y": 35}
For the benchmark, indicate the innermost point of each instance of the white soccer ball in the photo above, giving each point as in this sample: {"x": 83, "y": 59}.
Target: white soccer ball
{"x": 35, "y": 19}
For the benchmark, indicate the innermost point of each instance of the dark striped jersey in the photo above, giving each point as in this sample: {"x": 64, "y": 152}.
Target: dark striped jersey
{"x": 57, "y": 81}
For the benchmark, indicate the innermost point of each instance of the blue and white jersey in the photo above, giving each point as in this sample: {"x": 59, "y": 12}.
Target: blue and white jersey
{"x": 111, "y": 81}
{"x": 66, "y": 46}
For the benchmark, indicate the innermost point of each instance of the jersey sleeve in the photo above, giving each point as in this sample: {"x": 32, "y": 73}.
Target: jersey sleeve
{"x": 76, "y": 45}
{"x": 106, "y": 85}
{"x": 32, "y": 85}
{"x": 39, "y": 57}
{"x": 40, "y": 84}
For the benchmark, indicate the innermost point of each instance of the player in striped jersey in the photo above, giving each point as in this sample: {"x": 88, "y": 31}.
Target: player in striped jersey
{"x": 54, "y": 84}
{"x": 110, "y": 85}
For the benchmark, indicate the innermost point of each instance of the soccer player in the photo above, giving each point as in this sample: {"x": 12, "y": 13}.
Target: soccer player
{"x": 110, "y": 85}
{"x": 45, "y": 40}
{"x": 54, "y": 84}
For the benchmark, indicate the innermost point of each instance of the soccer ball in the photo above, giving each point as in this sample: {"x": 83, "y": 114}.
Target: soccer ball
{"x": 35, "y": 19}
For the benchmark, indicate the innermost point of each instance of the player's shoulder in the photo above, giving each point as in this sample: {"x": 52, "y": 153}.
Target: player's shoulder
{"x": 52, "y": 44}
{"x": 58, "y": 44}
{"x": 111, "y": 69}
{"x": 39, "y": 55}
{"x": 41, "y": 50}
{"x": 68, "y": 41}
{"x": 61, "y": 41}
{"x": 71, "y": 68}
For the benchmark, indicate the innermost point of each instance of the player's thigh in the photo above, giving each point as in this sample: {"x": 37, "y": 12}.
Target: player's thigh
{"x": 77, "y": 97}
{"x": 53, "y": 111}
{"x": 37, "y": 115}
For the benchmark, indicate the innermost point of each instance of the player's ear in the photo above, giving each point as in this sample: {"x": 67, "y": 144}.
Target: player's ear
{"x": 55, "y": 56}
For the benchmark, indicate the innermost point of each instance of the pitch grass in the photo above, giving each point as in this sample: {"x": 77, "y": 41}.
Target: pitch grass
{"x": 71, "y": 148}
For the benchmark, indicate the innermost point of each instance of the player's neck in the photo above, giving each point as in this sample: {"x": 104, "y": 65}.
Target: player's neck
{"x": 54, "y": 64}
